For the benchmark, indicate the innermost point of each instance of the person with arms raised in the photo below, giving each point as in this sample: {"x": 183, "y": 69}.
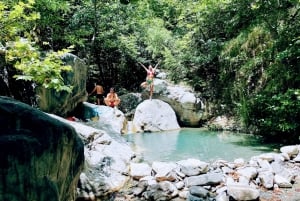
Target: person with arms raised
{"x": 150, "y": 78}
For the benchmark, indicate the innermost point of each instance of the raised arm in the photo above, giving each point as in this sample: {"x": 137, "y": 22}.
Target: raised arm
{"x": 156, "y": 65}
{"x": 143, "y": 66}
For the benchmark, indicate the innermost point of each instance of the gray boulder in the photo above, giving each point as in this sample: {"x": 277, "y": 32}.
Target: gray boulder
{"x": 107, "y": 161}
{"x": 243, "y": 192}
{"x": 199, "y": 191}
{"x": 204, "y": 179}
{"x": 187, "y": 106}
{"x": 41, "y": 157}
{"x": 62, "y": 103}
{"x": 153, "y": 116}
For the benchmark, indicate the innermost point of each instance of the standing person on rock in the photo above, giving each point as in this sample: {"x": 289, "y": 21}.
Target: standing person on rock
{"x": 99, "y": 93}
{"x": 150, "y": 78}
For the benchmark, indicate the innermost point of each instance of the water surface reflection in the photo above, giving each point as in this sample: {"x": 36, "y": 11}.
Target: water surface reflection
{"x": 197, "y": 143}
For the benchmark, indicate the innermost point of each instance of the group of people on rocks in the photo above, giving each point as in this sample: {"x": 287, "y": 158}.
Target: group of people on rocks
{"x": 112, "y": 99}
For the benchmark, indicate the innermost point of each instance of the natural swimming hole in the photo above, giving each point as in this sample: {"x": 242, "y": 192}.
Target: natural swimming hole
{"x": 197, "y": 143}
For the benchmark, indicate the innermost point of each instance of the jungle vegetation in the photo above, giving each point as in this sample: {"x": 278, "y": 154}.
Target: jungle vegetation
{"x": 243, "y": 56}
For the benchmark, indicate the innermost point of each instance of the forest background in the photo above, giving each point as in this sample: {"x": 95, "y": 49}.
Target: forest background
{"x": 241, "y": 55}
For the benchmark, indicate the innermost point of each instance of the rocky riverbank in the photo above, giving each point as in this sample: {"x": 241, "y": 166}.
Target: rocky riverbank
{"x": 267, "y": 177}
{"x": 113, "y": 172}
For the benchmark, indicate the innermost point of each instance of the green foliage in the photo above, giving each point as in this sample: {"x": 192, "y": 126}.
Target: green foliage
{"x": 261, "y": 71}
{"x": 157, "y": 38}
{"x": 277, "y": 115}
{"x": 244, "y": 60}
{"x": 50, "y": 27}
{"x": 241, "y": 55}
{"x": 13, "y": 18}
{"x": 43, "y": 68}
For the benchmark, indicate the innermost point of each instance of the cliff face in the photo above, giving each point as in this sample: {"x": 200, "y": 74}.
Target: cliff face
{"x": 61, "y": 103}
{"x": 41, "y": 157}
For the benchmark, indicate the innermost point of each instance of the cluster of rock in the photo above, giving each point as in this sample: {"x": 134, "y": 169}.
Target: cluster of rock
{"x": 113, "y": 171}
{"x": 224, "y": 123}
{"x": 195, "y": 180}
{"x": 188, "y": 107}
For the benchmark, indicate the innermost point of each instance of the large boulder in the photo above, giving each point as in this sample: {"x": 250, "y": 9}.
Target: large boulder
{"x": 107, "y": 159}
{"x": 61, "y": 103}
{"x": 103, "y": 117}
{"x": 153, "y": 116}
{"x": 41, "y": 157}
{"x": 188, "y": 107}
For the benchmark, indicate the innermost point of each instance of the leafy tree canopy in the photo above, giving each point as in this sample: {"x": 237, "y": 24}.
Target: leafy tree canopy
{"x": 18, "y": 46}
{"x": 238, "y": 55}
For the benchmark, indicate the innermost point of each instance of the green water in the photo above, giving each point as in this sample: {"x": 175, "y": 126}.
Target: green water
{"x": 197, "y": 143}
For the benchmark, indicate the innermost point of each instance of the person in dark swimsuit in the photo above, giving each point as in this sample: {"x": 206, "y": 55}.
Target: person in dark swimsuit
{"x": 99, "y": 93}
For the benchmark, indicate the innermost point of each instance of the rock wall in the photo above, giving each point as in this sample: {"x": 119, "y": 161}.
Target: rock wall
{"x": 61, "y": 103}
{"x": 41, "y": 157}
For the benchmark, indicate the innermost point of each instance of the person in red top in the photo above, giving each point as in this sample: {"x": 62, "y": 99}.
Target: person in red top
{"x": 112, "y": 99}
{"x": 150, "y": 78}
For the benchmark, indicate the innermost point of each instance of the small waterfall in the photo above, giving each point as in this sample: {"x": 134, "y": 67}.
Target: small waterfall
{"x": 130, "y": 128}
